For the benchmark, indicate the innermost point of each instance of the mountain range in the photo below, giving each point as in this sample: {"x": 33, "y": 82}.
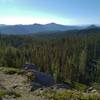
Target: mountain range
{"x": 37, "y": 28}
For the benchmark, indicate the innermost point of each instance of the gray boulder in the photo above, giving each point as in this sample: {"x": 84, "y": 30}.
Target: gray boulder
{"x": 41, "y": 77}
{"x": 44, "y": 79}
{"x": 91, "y": 90}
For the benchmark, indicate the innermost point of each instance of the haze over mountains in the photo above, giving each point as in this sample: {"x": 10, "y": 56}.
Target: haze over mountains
{"x": 36, "y": 28}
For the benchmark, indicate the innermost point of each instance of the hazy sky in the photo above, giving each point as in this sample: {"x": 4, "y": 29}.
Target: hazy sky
{"x": 69, "y": 12}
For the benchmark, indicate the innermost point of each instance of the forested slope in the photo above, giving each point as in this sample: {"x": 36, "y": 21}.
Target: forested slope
{"x": 70, "y": 56}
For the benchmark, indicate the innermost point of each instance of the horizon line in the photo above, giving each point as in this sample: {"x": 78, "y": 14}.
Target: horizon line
{"x": 1, "y": 24}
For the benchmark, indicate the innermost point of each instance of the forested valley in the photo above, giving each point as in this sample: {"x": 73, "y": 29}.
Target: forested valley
{"x": 70, "y": 56}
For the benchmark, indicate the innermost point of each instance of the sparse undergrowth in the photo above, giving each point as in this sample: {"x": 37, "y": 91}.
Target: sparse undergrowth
{"x": 67, "y": 95}
{"x": 9, "y": 93}
{"x": 80, "y": 86}
{"x": 8, "y": 70}
{"x": 96, "y": 86}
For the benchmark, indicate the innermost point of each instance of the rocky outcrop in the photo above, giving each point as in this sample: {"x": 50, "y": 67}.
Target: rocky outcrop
{"x": 40, "y": 77}
{"x": 44, "y": 79}
{"x": 91, "y": 90}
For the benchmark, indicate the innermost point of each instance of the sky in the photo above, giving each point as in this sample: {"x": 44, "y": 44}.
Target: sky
{"x": 66, "y": 12}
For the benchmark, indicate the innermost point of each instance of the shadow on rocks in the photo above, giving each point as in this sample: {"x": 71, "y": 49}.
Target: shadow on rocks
{"x": 1, "y": 98}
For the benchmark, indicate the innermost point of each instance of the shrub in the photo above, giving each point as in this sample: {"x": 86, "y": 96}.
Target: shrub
{"x": 8, "y": 70}
{"x": 68, "y": 95}
{"x": 96, "y": 86}
{"x": 2, "y": 93}
{"x": 80, "y": 87}
{"x": 9, "y": 93}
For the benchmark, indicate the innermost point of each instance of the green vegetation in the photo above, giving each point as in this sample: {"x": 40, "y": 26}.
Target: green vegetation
{"x": 9, "y": 93}
{"x": 80, "y": 86}
{"x": 8, "y": 70}
{"x": 67, "y": 95}
{"x": 72, "y": 55}
{"x": 96, "y": 86}
{"x": 2, "y": 93}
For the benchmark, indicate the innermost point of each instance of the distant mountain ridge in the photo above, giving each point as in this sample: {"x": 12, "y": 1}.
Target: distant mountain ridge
{"x": 36, "y": 28}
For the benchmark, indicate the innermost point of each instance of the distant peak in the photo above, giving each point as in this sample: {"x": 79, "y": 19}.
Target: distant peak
{"x": 92, "y": 26}
{"x": 52, "y": 24}
{"x": 36, "y": 24}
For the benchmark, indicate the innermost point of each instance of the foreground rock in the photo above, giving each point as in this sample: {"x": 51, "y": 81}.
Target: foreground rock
{"x": 40, "y": 77}
{"x": 92, "y": 90}
{"x": 17, "y": 87}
